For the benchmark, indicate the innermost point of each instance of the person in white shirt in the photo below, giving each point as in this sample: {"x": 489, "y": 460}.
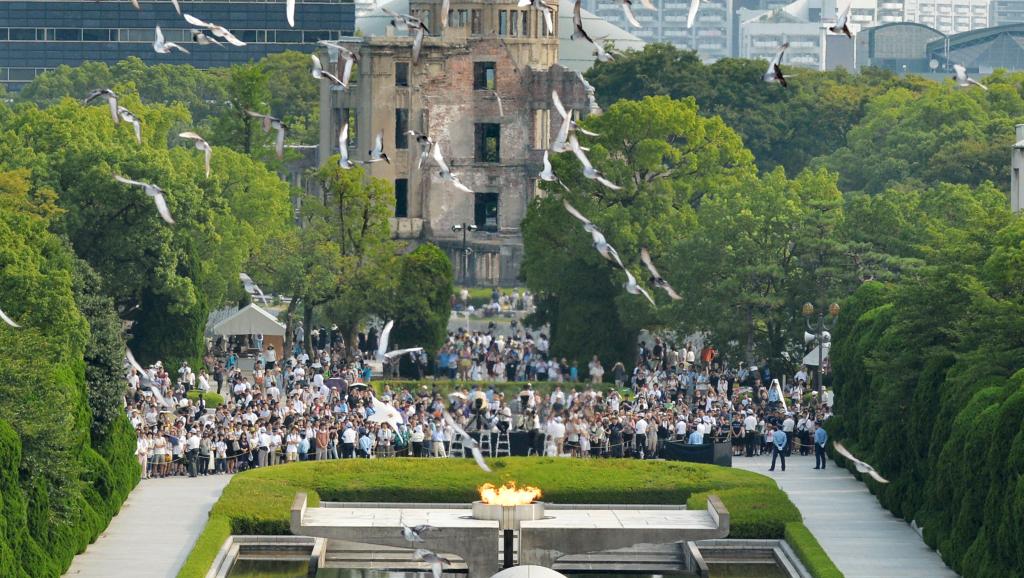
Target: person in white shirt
{"x": 750, "y": 431}
{"x": 348, "y": 442}
{"x": 275, "y": 448}
{"x": 556, "y": 436}
{"x": 788, "y": 425}
{"x": 142, "y": 453}
{"x": 595, "y": 370}
{"x": 292, "y": 446}
{"x": 192, "y": 453}
{"x": 681, "y": 428}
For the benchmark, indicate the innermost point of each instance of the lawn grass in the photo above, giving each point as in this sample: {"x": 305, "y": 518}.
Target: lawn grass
{"x": 259, "y": 501}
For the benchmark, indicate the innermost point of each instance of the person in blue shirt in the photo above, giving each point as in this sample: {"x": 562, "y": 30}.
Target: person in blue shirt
{"x": 697, "y": 436}
{"x": 779, "y": 441}
{"x": 820, "y": 439}
{"x": 365, "y": 445}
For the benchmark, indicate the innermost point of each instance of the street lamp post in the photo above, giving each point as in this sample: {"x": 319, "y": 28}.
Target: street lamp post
{"x": 465, "y": 228}
{"x": 821, "y": 334}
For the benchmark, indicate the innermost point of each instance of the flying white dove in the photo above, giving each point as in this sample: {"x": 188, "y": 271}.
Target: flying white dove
{"x": 413, "y": 533}
{"x": 272, "y": 122}
{"x": 144, "y": 379}
{"x": 840, "y": 26}
{"x": 578, "y": 32}
{"x": 861, "y": 467}
{"x": 319, "y": 72}
{"x": 445, "y": 173}
{"x": 414, "y": 25}
{"x": 774, "y": 72}
{"x": 425, "y": 143}
{"x": 588, "y": 170}
{"x": 377, "y": 153}
{"x": 109, "y": 96}
{"x": 349, "y": 56}
{"x": 343, "y": 160}
{"x": 634, "y": 289}
{"x": 656, "y": 279}
{"x": 382, "y": 341}
{"x": 155, "y": 192}
{"x": 468, "y": 442}
{"x": 162, "y": 46}
{"x": 547, "y": 174}
{"x": 289, "y": 12}
{"x": 964, "y": 81}
{"x": 130, "y": 118}
{"x": 251, "y": 287}
{"x": 544, "y": 8}
{"x": 437, "y": 563}
{"x": 8, "y": 320}
{"x": 384, "y": 413}
{"x": 692, "y": 16}
{"x": 202, "y": 145}
{"x": 627, "y": 9}
{"x": 216, "y": 29}
{"x": 204, "y": 40}
{"x": 600, "y": 243}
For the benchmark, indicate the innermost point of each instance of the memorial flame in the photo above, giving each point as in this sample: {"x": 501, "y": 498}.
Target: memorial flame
{"x": 508, "y": 494}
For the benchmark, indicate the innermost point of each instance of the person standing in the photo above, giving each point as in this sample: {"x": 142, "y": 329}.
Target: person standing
{"x": 820, "y": 439}
{"x": 192, "y": 453}
{"x": 779, "y": 443}
{"x": 788, "y": 425}
{"x": 323, "y": 436}
{"x": 750, "y": 430}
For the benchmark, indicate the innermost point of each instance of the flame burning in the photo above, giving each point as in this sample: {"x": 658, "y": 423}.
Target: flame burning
{"x": 509, "y": 494}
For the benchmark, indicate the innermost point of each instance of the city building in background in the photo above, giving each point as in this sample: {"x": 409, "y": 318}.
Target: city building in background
{"x": 491, "y": 50}
{"x": 981, "y": 51}
{"x": 39, "y": 35}
{"x": 711, "y": 35}
{"x": 900, "y": 47}
{"x": 948, "y": 16}
{"x": 1005, "y": 12}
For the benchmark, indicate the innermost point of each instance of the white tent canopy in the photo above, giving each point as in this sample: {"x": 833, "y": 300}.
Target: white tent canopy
{"x": 812, "y": 357}
{"x": 247, "y": 321}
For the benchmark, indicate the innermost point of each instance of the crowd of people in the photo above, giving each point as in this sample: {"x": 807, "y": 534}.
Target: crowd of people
{"x": 315, "y": 407}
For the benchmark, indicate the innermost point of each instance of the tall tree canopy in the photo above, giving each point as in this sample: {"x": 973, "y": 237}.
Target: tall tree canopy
{"x": 781, "y": 127}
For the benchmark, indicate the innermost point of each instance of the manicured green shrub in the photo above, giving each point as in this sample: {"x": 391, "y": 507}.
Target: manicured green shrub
{"x": 930, "y": 390}
{"x": 259, "y": 501}
{"x": 212, "y": 398}
{"x": 810, "y": 552}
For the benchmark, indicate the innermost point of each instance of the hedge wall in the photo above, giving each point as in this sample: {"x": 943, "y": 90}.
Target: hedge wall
{"x": 259, "y": 501}
{"x": 930, "y": 390}
{"x": 66, "y": 447}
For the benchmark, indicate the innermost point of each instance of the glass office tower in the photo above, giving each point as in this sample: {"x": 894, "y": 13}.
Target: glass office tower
{"x": 39, "y": 35}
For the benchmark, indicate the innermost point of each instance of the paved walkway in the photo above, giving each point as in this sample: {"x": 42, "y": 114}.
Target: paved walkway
{"x": 154, "y": 532}
{"x": 862, "y": 538}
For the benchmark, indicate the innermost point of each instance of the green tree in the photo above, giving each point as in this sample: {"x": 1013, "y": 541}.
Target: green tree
{"x": 943, "y": 134}
{"x": 420, "y": 304}
{"x": 782, "y": 127}
{"x": 668, "y": 160}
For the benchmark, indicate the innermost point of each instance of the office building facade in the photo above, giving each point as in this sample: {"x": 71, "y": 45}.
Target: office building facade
{"x": 39, "y": 35}
{"x": 711, "y": 35}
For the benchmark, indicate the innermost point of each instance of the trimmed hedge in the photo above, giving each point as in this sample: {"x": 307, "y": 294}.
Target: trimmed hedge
{"x": 213, "y": 399}
{"x": 810, "y": 552}
{"x": 930, "y": 390}
{"x": 259, "y": 501}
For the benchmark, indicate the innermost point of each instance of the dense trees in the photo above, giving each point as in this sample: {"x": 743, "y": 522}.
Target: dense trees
{"x": 59, "y": 484}
{"x": 782, "y": 127}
